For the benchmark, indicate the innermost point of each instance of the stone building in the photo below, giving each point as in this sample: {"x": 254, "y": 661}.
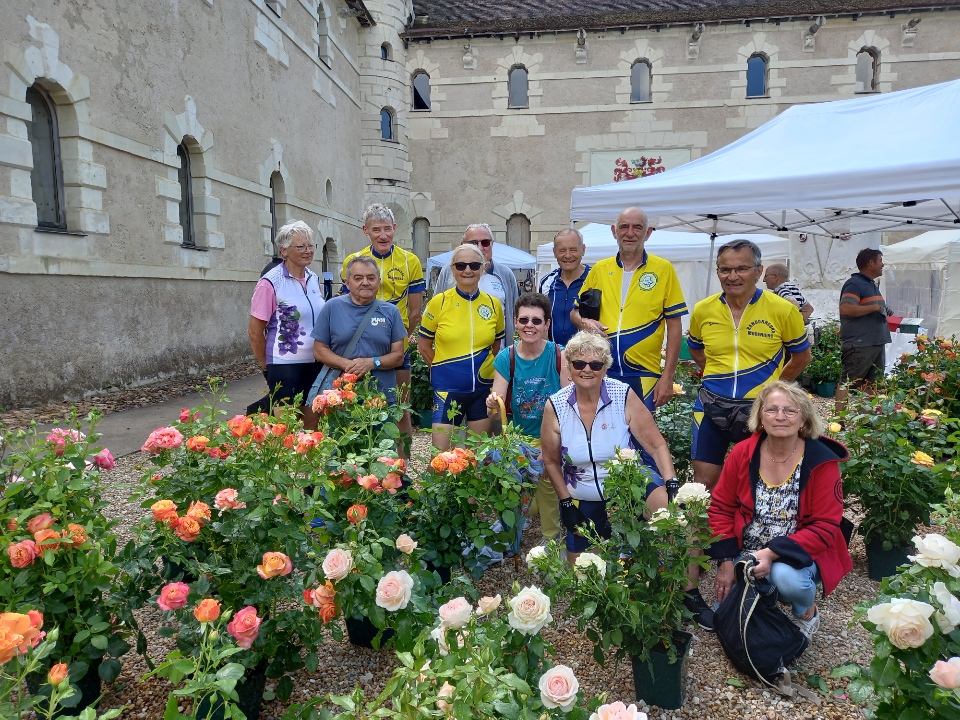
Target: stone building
{"x": 149, "y": 149}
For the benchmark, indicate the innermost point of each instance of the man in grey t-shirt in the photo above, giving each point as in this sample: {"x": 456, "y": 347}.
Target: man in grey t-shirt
{"x": 380, "y": 348}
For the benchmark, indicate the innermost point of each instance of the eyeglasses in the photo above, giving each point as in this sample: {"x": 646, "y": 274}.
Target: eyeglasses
{"x": 595, "y": 365}
{"x": 788, "y": 412}
{"x": 472, "y": 265}
{"x": 304, "y": 248}
{"x": 739, "y": 270}
{"x": 530, "y": 321}
{"x": 485, "y": 242}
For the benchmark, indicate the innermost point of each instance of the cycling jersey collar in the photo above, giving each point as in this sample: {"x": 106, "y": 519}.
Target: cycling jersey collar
{"x": 756, "y": 296}
{"x": 644, "y": 262}
{"x": 378, "y": 255}
{"x": 462, "y": 294}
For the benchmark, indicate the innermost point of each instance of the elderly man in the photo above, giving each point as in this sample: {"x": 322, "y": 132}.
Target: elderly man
{"x": 401, "y": 283}
{"x": 499, "y": 280}
{"x": 380, "y": 348}
{"x": 563, "y": 285}
{"x": 739, "y": 338}
{"x": 640, "y": 300}
{"x": 777, "y": 279}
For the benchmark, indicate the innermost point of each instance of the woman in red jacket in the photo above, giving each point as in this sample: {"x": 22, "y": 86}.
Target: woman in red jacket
{"x": 780, "y": 499}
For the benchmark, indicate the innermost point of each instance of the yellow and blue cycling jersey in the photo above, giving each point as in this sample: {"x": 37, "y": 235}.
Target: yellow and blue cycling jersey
{"x": 635, "y": 323}
{"x": 742, "y": 359}
{"x": 463, "y": 329}
{"x": 401, "y": 274}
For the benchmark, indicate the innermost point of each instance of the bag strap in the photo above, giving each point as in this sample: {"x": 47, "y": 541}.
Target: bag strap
{"x": 360, "y": 328}
{"x": 513, "y": 369}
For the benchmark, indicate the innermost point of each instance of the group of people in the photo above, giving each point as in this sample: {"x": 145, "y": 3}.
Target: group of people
{"x": 582, "y": 366}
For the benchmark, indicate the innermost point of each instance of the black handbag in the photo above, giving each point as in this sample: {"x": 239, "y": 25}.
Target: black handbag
{"x": 589, "y": 305}
{"x": 728, "y": 414}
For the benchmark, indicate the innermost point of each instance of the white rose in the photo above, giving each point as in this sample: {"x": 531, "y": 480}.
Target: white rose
{"x": 558, "y": 688}
{"x": 906, "y": 622}
{"x": 660, "y": 514}
{"x": 618, "y": 711}
{"x": 585, "y": 560}
{"x": 487, "y": 605}
{"x": 529, "y": 611}
{"x": 455, "y": 613}
{"x": 626, "y": 454}
{"x": 406, "y": 544}
{"x": 537, "y": 551}
{"x": 394, "y": 589}
{"x": 692, "y": 492}
{"x": 936, "y": 551}
{"x": 337, "y": 564}
{"x": 440, "y": 635}
{"x": 950, "y": 617}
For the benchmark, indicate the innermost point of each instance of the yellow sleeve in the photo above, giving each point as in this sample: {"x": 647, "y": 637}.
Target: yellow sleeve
{"x": 694, "y": 339}
{"x": 430, "y": 320}
{"x": 674, "y": 304}
{"x": 417, "y": 282}
{"x": 589, "y": 284}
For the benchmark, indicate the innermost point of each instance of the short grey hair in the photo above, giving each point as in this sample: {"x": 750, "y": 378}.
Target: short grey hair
{"x": 569, "y": 231}
{"x": 363, "y": 259}
{"x": 585, "y": 344}
{"x": 812, "y": 426}
{"x": 467, "y": 248}
{"x": 485, "y": 226}
{"x": 380, "y": 212}
{"x": 735, "y": 245}
{"x": 286, "y": 234}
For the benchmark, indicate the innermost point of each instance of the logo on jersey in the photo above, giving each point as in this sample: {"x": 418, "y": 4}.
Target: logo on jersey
{"x": 762, "y": 328}
{"x": 396, "y": 275}
{"x": 485, "y": 311}
{"x": 648, "y": 281}
{"x": 377, "y": 320}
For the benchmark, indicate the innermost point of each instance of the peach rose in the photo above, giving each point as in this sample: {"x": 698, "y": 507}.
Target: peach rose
{"x": 240, "y": 425}
{"x": 245, "y": 627}
{"x": 321, "y": 595}
{"x": 76, "y": 534}
{"x": 328, "y": 611}
{"x": 368, "y": 482}
{"x": 455, "y": 613}
{"x": 57, "y": 674}
{"x": 458, "y": 466}
{"x": 188, "y": 528}
{"x": 529, "y": 611}
{"x": 200, "y": 512}
{"x": 946, "y": 673}
{"x": 22, "y": 553}
{"x": 18, "y": 633}
{"x": 446, "y": 691}
{"x": 905, "y": 621}
{"x": 394, "y": 589}
{"x": 392, "y": 482}
{"x": 208, "y": 610}
{"x": 164, "y": 511}
{"x": 274, "y": 564}
{"x": 165, "y": 438}
{"x": 198, "y": 443}
{"x": 43, "y": 540}
{"x": 173, "y": 596}
{"x": 558, "y": 688}
{"x": 356, "y": 513}
{"x": 406, "y": 544}
{"x": 226, "y": 499}
{"x": 337, "y": 564}
{"x": 618, "y": 711}
{"x": 438, "y": 463}
{"x": 488, "y": 604}
{"x": 40, "y": 522}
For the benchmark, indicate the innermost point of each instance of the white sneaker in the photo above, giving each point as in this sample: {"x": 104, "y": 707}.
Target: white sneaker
{"x": 807, "y": 627}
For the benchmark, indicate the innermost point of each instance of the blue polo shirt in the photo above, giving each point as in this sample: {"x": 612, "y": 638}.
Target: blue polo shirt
{"x": 561, "y": 303}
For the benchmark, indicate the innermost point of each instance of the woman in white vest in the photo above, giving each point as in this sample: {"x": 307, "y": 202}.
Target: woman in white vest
{"x": 285, "y": 306}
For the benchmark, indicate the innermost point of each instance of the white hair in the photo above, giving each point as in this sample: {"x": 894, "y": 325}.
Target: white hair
{"x": 379, "y": 212}
{"x": 286, "y": 234}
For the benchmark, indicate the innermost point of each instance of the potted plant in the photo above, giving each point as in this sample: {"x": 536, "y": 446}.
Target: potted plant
{"x": 627, "y": 593}
{"x": 826, "y": 366}
{"x": 60, "y": 550}
{"x": 933, "y": 372}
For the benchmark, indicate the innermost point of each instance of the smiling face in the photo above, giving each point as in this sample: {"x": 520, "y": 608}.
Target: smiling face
{"x": 476, "y": 236}
{"x": 363, "y": 282}
{"x": 299, "y": 252}
{"x": 631, "y": 231}
{"x": 568, "y": 249}
{"x": 526, "y": 320}
{"x": 781, "y": 416}
{"x": 587, "y": 378}
{"x": 380, "y": 233}
{"x": 468, "y": 279}
{"x": 738, "y": 272}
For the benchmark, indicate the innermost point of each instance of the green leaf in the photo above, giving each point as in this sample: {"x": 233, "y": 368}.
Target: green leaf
{"x": 171, "y": 712}
{"x": 847, "y": 670}
{"x": 100, "y": 642}
{"x": 512, "y": 681}
{"x": 890, "y": 672}
{"x": 109, "y": 670}
{"x": 231, "y": 671}
{"x": 736, "y": 682}
{"x": 815, "y": 681}
{"x": 509, "y": 518}
{"x": 285, "y": 688}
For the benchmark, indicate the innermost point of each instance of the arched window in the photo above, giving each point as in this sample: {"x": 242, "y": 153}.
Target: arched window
{"x": 46, "y": 178}
{"x": 277, "y": 193}
{"x": 518, "y": 232}
{"x": 868, "y": 62}
{"x": 386, "y": 52}
{"x": 387, "y": 129}
{"x": 421, "y": 239}
{"x": 757, "y": 76}
{"x": 186, "y": 196}
{"x": 517, "y": 87}
{"x": 421, "y": 90}
{"x": 640, "y": 78}
{"x": 329, "y": 262}
{"x": 323, "y": 36}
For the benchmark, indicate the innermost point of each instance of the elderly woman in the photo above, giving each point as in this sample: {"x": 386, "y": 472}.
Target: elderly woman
{"x": 780, "y": 499}
{"x": 285, "y": 305}
{"x": 461, "y": 332}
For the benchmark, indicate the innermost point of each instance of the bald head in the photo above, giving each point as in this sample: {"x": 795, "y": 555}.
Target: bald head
{"x": 631, "y": 231}
{"x": 776, "y": 275}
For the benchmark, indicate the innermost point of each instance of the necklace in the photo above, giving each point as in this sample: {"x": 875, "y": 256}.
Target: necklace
{"x": 780, "y": 462}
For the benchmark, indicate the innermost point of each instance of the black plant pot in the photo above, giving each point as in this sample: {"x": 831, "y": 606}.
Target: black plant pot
{"x": 444, "y": 571}
{"x": 89, "y": 687}
{"x": 172, "y": 571}
{"x": 660, "y": 682}
{"x": 846, "y": 529}
{"x": 884, "y": 563}
{"x": 249, "y": 696}
{"x": 361, "y": 632}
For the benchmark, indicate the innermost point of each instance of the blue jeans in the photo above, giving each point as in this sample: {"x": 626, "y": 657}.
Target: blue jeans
{"x": 797, "y": 586}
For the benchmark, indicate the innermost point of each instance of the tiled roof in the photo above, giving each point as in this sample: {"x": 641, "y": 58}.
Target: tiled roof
{"x": 466, "y": 17}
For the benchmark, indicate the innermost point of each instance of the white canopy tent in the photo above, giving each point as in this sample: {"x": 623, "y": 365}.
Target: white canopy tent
{"x": 690, "y": 253}
{"x": 868, "y": 164}
{"x": 922, "y": 279}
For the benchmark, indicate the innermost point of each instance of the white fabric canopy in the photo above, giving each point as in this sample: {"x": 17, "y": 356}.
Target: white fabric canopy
{"x": 921, "y": 278}
{"x": 872, "y": 163}
{"x": 516, "y": 259}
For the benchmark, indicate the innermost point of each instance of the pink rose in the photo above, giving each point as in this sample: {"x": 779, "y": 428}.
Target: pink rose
{"x": 226, "y": 499}
{"x": 446, "y": 691}
{"x": 184, "y": 415}
{"x": 337, "y": 564}
{"x": 104, "y": 460}
{"x": 58, "y": 437}
{"x": 245, "y": 626}
{"x": 368, "y": 482}
{"x": 558, "y": 688}
{"x": 455, "y": 613}
{"x": 394, "y": 590}
{"x": 406, "y": 544}
{"x": 488, "y": 604}
{"x": 274, "y": 564}
{"x": 392, "y": 482}
{"x": 618, "y": 711}
{"x": 946, "y": 674}
{"x": 22, "y": 553}
{"x": 165, "y": 438}
{"x": 173, "y": 596}
{"x": 40, "y": 522}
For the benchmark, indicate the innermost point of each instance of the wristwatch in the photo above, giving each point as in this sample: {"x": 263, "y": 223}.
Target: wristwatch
{"x": 376, "y": 363}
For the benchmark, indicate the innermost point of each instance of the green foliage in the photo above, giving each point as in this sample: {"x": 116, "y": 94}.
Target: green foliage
{"x": 675, "y": 419}
{"x": 421, "y": 392}
{"x": 826, "y": 364}
{"x": 932, "y": 373}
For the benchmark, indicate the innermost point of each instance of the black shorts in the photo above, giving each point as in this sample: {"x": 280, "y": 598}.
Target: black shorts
{"x": 863, "y": 364}
{"x": 286, "y": 381}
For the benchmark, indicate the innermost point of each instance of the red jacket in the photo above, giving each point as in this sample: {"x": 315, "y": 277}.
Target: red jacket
{"x": 817, "y": 538}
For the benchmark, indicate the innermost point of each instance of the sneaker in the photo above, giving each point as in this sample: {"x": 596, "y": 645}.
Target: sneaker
{"x": 702, "y": 613}
{"x": 808, "y": 626}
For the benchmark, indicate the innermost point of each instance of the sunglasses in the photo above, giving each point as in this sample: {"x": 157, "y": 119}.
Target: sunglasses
{"x": 595, "y": 365}
{"x": 461, "y": 266}
{"x": 529, "y": 321}
{"x": 485, "y": 242}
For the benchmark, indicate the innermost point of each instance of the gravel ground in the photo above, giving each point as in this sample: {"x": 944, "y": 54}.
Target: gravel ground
{"x": 709, "y": 692}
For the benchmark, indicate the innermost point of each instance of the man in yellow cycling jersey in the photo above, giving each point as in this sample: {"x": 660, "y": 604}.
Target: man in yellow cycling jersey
{"x": 739, "y": 338}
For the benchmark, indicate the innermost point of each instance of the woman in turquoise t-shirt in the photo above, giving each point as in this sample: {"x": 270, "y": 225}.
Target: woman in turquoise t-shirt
{"x": 539, "y": 370}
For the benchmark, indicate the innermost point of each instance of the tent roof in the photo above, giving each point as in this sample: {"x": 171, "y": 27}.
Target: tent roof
{"x": 872, "y": 163}
{"x": 516, "y": 259}
{"x": 930, "y": 248}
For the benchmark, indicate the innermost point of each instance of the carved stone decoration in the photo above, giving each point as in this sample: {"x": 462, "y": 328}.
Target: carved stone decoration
{"x": 909, "y": 30}
{"x": 693, "y": 47}
{"x": 809, "y": 39}
{"x": 581, "y": 47}
{"x": 469, "y": 59}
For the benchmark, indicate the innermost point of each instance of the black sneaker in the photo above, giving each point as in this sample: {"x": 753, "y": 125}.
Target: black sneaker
{"x": 702, "y": 613}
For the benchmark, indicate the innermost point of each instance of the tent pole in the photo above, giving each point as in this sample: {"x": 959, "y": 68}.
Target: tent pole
{"x": 713, "y": 240}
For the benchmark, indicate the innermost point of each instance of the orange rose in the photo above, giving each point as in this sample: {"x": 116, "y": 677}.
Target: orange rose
{"x": 199, "y": 511}
{"x": 240, "y": 426}
{"x": 356, "y": 513}
{"x": 274, "y": 564}
{"x": 278, "y": 429}
{"x": 348, "y": 395}
{"x": 198, "y": 443}
{"x": 328, "y": 611}
{"x": 22, "y": 554}
{"x": 289, "y": 441}
{"x": 259, "y": 434}
{"x": 164, "y": 511}
{"x": 188, "y": 528}
{"x": 438, "y": 463}
{"x": 40, "y": 522}
{"x": 458, "y": 466}
{"x": 18, "y": 634}
{"x": 375, "y": 403}
{"x": 207, "y": 611}
{"x": 76, "y": 534}
{"x": 57, "y": 674}
{"x": 43, "y": 538}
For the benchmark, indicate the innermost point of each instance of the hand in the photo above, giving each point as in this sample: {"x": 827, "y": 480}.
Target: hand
{"x": 492, "y": 403}
{"x": 663, "y": 391}
{"x": 765, "y": 558}
{"x": 724, "y": 582}
{"x": 570, "y": 515}
{"x": 593, "y": 326}
{"x": 359, "y": 366}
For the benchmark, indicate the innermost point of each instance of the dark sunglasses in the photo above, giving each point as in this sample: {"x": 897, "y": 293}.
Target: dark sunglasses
{"x": 595, "y": 365}
{"x": 529, "y": 321}
{"x": 463, "y": 266}
{"x": 485, "y": 242}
